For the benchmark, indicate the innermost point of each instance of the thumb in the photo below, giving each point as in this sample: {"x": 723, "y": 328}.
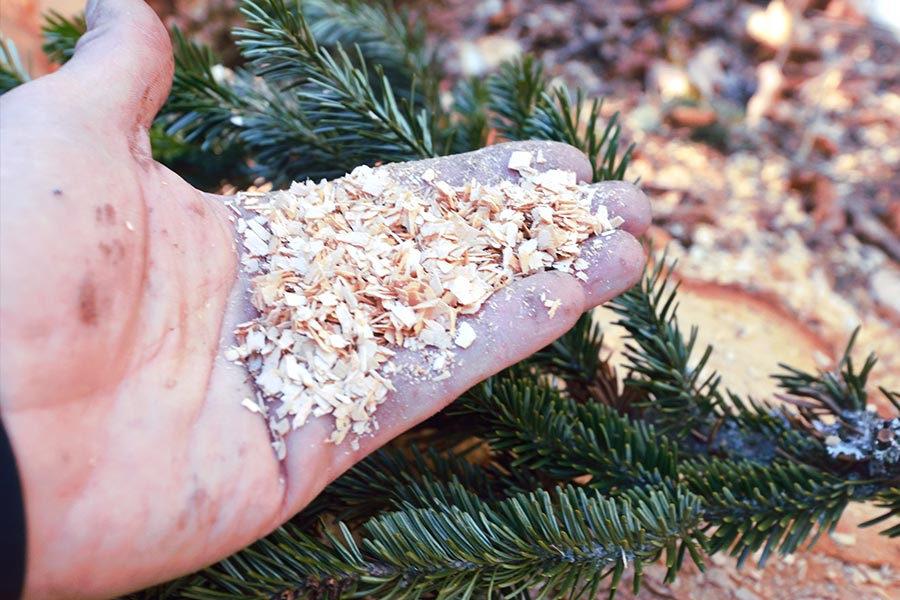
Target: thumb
{"x": 123, "y": 65}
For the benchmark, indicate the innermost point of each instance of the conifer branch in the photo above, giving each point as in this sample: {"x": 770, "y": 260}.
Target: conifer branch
{"x": 575, "y": 354}
{"x": 832, "y": 407}
{"x": 553, "y": 434}
{"x": 889, "y": 499}
{"x": 469, "y": 127}
{"x": 523, "y": 107}
{"x": 60, "y": 35}
{"x": 12, "y": 72}
{"x": 341, "y": 96}
{"x": 768, "y": 476}
{"x": 206, "y": 101}
{"x": 389, "y": 479}
{"x": 567, "y": 542}
{"x": 559, "y": 118}
{"x": 392, "y": 39}
{"x": 830, "y": 392}
{"x": 330, "y": 86}
{"x": 515, "y": 94}
{"x": 752, "y": 506}
{"x": 662, "y": 357}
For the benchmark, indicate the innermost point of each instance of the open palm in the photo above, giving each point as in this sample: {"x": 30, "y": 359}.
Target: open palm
{"x": 120, "y": 292}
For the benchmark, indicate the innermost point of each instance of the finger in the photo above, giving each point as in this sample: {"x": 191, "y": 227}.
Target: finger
{"x": 623, "y": 199}
{"x": 490, "y": 165}
{"x": 517, "y": 321}
{"x": 514, "y": 323}
{"x": 615, "y": 263}
{"x": 123, "y": 64}
{"x": 421, "y": 392}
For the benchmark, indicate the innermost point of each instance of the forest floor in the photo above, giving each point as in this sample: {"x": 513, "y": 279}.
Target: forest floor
{"x": 766, "y": 136}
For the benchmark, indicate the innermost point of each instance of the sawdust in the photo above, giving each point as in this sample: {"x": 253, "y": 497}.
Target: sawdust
{"x": 346, "y": 273}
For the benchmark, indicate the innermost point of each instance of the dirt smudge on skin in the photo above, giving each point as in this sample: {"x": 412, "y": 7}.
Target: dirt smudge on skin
{"x": 197, "y": 208}
{"x": 105, "y": 215}
{"x": 87, "y": 302}
{"x": 113, "y": 251}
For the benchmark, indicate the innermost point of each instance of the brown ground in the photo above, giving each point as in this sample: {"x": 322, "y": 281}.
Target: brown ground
{"x": 766, "y": 135}
{"x": 772, "y": 161}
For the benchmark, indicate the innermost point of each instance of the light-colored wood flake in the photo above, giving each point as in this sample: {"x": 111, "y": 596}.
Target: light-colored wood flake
{"x": 520, "y": 160}
{"x": 552, "y": 306}
{"x": 346, "y": 273}
{"x": 465, "y": 335}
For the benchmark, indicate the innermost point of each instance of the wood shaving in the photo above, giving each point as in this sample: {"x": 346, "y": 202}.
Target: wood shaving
{"x": 551, "y": 305}
{"x": 521, "y": 161}
{"x": 347, "y": 272}
{"x": 465, "y": 335}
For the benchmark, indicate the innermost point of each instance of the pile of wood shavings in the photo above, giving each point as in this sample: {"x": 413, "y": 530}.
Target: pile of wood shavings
{"x": 346, "y": 272}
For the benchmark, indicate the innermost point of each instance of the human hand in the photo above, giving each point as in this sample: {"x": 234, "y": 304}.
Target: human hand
{"x": 119, "y": 293}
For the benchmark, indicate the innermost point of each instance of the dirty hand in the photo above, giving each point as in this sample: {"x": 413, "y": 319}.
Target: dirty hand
{"x": 120, "y": 293}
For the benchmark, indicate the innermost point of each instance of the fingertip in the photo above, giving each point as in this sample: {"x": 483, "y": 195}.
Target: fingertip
{"x": 615, "y": 263}
{"x": 625, "y": 200}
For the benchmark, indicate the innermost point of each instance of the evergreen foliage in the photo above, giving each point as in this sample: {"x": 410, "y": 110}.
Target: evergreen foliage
{"x": 556, "y": 475}
{"x": 60, "y": 36}
{"x": 12, "y": 72}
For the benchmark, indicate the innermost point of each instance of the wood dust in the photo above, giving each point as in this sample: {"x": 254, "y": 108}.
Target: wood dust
{"x": 347, "y": 273}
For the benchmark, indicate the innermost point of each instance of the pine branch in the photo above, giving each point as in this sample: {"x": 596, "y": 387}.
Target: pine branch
{"x": 576, "y": 358}
{"x": 830, "y": 392}
{"x": 523, "y": 108}
{"x": 573, "y": 540}
{"x": 661, "y": 356}
{"x": 352, "y": 103}
{"x": 12, "y": 71}
{"x": 334, "y": 85}
{"x": 576, "y": 354}
{"x": 206, "y": 97}
{"x": 388, "y": 38}
{"x": 889, "y": 499}
{"x": 287, "y": 561}
{"x": 302, "y": 110}
{"x": 553, "y": 434}
{"x": 557, "y": 119}
{"x": 766, "y": 501}
{"x": 470, "y": 126}
{"x": 60, "y": 35}
{"x": 515, "y": 94}
{"x": 567, "y": 542}
{"x": 389, "y": 479}
{"x": 775, "y": 506}
{"x": 341, "y": 95}
{"x": 832, "y": 408}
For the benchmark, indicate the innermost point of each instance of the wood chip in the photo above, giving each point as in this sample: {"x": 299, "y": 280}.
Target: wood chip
{"x": 552, "y": 307}
{"x": 465, "y": 335}
{"x": 345, "y": 273}
{"x": 520, "y": 161}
